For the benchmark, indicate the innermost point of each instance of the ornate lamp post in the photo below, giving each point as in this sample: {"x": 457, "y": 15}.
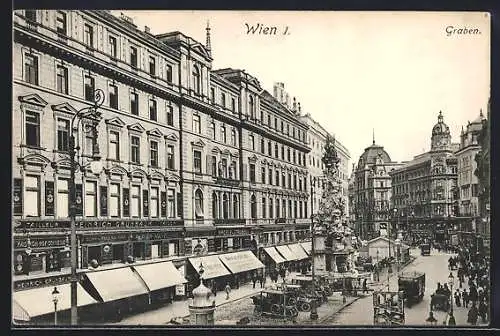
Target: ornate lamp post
{"x": 451, "y": 320}
{"x": 398, "y": 252}
{"x": 89, "y": 118}
{"x": 56, "y": 296}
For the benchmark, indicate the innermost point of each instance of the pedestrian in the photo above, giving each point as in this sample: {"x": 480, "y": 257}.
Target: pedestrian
{"x": 472, "y": 315}
{"x": 431, "y": 319}
{"x": 228, "y": 290}
{"x": 482, "y": 311}
{"x": 465, "y": 298}
{"x": 365, "y": 287}
{"x": 214, "y": 288}
{"x": 254, "y": 280}
{"x": 457, "y": 298}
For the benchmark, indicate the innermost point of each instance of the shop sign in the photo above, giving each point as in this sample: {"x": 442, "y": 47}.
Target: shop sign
{"x": 49, "y": 198}
{"x": 232, "y": 232}
{"x": 39, "y": 243}
{"x": 180, "y": 290}
{"x": 44, "y": 282}
{"x": 105, "y": 224}
{"x": 17, "y": 197}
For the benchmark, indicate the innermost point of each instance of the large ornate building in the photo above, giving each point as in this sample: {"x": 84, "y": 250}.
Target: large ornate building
{"x": 467, "y": 181}
{"x": 424, "y": 190}
{"x": 483, "y": 226}
{"x": 371, "y": 192}
{"x": 196, "y": 160}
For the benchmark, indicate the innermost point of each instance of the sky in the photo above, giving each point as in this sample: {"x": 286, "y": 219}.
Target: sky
{"x": 356, "y": 73}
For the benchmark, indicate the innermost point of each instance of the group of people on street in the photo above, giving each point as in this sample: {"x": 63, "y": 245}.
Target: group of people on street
{"x": 472, "y": 270}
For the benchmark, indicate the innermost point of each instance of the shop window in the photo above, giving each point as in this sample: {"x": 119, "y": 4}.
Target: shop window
{"x": 94, "y": 253}
{"x": 91, "y": 199}
{"x": 139, "y": 249}
{"x": 153, "y": 205}
{"x": 62, "y": 198}
{"x": 31, "y": 196}
{"x": 118, "y": 252}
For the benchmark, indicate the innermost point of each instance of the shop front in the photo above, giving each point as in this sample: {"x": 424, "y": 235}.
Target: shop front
{"x": 232, "y": 239}
{"x": 121, "y": 291}
{"x": 302, "y": 257}
{"x": 214, "y": 272}
{"x": 272, "y": 259}
{"x": 35, "y": 305}
{"x": 289, "y": 256}
{"x": 162, "y": 280}
{"x": 242, "y": 265}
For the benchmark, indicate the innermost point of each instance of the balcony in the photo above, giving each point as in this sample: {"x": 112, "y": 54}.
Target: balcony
{"x": 226, "y": 182}
{"x": 229, "y": 221}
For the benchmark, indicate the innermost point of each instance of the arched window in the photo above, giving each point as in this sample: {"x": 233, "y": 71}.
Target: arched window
{"x": 215, "y": 206}
{"x": 251, "y": 107}
{"x": 253, "y": 207}
{"x": 225, "y": 206}
{"x": 198, "y": 203}
{"x": 236, "y": 207}
{"x": 196, "y": 79}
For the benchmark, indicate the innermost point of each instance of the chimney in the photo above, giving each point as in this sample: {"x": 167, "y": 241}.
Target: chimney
{"x": 147, "y": 30}
{"x": 294, "y": 105}
{"x": 298, "y": 108}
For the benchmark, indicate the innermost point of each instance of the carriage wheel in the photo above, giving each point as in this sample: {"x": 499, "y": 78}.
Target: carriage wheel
{"x": 305, "y": 307}
{"x": 275, "y": 309}
{"x": 292, "y": 301}
{"x": 295, "y": 312}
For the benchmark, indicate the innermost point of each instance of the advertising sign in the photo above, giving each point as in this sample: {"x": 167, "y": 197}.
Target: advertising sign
{"x": 200, "y": 246}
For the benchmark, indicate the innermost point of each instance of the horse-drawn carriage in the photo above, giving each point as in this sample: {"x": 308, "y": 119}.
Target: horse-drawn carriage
{"x": 440, "y": 302}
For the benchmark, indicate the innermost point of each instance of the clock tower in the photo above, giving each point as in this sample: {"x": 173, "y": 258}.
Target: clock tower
{"x": 441, "y": 137}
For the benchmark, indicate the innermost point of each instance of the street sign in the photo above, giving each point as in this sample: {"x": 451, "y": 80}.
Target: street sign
{"x": 388, "y": 308}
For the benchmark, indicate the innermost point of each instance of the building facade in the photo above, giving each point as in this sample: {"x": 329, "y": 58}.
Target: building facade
{"x": 316, "y": 140}
{"x": 467, "y": 181}
{"x": 483, "y": 226}
{"x": 371, "y": 192}
{"x": 196, "y": 160}
{"x": 424, "y": 190}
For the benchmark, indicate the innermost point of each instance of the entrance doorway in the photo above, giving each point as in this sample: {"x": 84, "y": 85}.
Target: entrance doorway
{"x": 94, "y": 252}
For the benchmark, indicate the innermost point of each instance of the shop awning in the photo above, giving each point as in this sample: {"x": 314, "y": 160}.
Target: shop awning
{"x": 298, "y": 251}
{"x": 212, "y": 266}
{"x": 286, "y": 253}
{"x": 38, "y": 301}
{"x": 115, "y": 284}
{"x": 273, "y": 253}
{"x": 160, "y": 275}
{"x": 307, "y": 246}
{"x": 238, "y": 262}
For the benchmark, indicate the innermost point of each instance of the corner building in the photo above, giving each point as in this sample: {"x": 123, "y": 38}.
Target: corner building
{"x": 196, "y": 161}
{"x": 424, "y": 190}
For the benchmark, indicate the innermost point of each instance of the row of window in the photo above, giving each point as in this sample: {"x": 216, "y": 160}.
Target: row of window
{"x": 213, "y": 134}
{"x": 296, "y": 209}
{"x": 291, "y": 156}
{"x": 32, "y": 128}
{"x": 292, "y": 179}
{"x": 112, "y": 47}
{"x": 119, "y": 201}
{"x": 62, "y": 85}
{"x": 223, "y": 101}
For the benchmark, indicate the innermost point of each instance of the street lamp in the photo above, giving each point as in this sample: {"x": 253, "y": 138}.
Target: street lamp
{"x": 56, "y": 296}
{"x": 451, "y": 320}
{"x": 398, "y": 244}
{"x": 89, "y": 117}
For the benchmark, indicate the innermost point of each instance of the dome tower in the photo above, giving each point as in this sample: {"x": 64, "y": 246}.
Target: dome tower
{"x": 441, "y": 137}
